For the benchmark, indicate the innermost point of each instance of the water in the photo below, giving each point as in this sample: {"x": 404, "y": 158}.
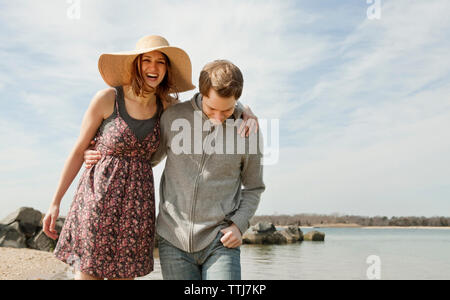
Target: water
{"x": 404, "y": 254}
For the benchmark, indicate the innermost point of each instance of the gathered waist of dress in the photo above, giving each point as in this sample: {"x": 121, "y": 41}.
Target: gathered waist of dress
{"x": 126, "y": 153}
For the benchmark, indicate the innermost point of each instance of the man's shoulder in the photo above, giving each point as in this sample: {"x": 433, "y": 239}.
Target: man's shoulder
{"x": 178, "y": 110}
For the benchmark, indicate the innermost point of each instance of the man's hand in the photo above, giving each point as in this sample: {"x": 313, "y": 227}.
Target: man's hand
{"x": 91, "y": 157}
{"x": 232, "y": 237}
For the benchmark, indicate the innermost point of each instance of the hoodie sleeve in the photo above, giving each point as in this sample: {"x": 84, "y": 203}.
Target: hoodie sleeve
{"x": 252, "y": 188}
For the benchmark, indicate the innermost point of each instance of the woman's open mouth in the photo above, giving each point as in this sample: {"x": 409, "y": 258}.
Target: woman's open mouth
{"x": 152, "y": 76}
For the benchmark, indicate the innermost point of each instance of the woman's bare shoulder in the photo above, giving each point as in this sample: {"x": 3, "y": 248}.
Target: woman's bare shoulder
{"x": 104, "y": 101}
{"x": 108, "y": 94}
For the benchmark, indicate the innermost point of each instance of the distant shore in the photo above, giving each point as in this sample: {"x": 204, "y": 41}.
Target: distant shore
{"x": 341, "y": 225}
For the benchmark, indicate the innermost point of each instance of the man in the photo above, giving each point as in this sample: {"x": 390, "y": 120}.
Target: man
{"x": 203, "y": 209}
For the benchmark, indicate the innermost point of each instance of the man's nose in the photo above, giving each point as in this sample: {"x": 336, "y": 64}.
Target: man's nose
{"x": 220, "y": 117}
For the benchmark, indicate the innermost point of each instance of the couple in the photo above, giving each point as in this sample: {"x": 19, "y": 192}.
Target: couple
{"x": 110, "y": 229}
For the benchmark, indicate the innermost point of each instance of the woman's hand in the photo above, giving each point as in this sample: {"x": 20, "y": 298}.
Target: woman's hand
{"x": 91, "y": 157}
{"x": 250, "y": 123}
{"x": 49, "y": 222}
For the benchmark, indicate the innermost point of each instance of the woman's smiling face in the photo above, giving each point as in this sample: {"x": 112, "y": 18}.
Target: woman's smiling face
{"x": 153, "y": 68}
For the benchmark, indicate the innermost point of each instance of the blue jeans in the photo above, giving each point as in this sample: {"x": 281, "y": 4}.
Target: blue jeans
{"x": 215, "y": 262}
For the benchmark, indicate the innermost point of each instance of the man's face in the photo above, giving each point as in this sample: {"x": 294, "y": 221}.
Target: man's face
{"x": 218, "y": 108}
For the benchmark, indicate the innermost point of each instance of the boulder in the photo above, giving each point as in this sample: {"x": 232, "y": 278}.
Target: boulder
{"x": 292, "y": 234}
{"x": 12, "y": 236}
{"x": 42, "y": 242}
{"x": 314, "y": 236}
{"x": 59, "y": 224}
{"x": 266, "y": 233}
{"x": 28, "y": 218}
{"x": 264, "y": 227}
{"x": 264, "y": 238}
{"x": 275, "y": 238}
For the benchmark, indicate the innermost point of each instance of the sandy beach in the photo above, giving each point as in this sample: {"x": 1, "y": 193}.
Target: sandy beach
{"x": 28, "y": 264}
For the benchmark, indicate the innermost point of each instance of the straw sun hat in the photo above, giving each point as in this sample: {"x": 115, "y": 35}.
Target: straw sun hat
{"x": 115, "y": 68}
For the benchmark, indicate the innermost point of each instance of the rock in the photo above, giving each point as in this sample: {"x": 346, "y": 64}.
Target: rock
{"x": 26, "y": 215}
{"x": 292, "y": 234}
{"x": 296, "y": 232}
{"x": 42, "y": 242}
{"x": 264, "y": 227}
{"x": 59, "y": 224}
{"x": 264, "y": 238}
{"x": 252, "y": 238}
{"x": 275, "y": 238}
{"x": 11, "y": 236}
{"x": 266, "y": 233}
{"x": 29, "y": 219}
{"x": 315, "y": 236}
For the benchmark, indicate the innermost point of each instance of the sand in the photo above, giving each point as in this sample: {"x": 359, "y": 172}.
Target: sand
{"x": 28, "y": 264}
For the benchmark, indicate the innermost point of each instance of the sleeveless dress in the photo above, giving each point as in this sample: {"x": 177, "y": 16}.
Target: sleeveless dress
{"x": 109, "y": 231}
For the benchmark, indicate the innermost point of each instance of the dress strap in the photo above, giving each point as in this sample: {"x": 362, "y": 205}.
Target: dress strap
{"x": 119, "y": 98}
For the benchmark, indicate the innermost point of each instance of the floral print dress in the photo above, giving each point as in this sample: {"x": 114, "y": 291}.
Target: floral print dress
{"x": 109, "y": 231}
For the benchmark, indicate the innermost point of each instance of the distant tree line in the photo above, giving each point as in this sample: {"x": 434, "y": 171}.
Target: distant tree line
{"x": 315, "y": 219}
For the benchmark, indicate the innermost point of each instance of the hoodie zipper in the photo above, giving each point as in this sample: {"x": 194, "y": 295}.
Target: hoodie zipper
{"x": 194, "y": 198}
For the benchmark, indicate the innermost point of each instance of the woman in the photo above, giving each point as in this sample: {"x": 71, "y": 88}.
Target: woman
{"x": 109, "y": 230}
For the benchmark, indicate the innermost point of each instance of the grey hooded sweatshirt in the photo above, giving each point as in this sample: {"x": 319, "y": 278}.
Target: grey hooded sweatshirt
{"x": 208, "y": 182}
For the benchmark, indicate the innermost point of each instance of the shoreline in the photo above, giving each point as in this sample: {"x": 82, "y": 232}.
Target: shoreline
{"x": 318, "y": 226}
{"x": 407, "y": 227}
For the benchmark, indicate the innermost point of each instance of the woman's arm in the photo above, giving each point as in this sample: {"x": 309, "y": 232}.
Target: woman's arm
{"x": 99, "y": 108}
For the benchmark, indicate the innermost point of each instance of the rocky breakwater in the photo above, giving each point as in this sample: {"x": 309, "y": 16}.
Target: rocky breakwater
{"x": 23, "y": 229}
{"x": 314, "y": 236}
{"x": 267, "y": 233}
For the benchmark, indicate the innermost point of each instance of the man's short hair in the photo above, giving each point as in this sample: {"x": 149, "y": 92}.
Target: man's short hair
{"x": 222, "y": 76}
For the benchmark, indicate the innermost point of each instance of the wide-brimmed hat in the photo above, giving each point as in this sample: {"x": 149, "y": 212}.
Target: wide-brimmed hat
{"x": 115, "y": 68}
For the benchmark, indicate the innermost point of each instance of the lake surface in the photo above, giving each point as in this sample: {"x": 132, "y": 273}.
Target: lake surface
{"x": 401, "y": 254}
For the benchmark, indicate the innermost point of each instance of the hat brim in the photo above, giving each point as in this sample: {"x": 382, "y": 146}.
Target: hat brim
{"x": 115, "y": 68}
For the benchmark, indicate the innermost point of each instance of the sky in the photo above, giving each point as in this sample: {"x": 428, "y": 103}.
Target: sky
{"x": 361, "y": 92}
